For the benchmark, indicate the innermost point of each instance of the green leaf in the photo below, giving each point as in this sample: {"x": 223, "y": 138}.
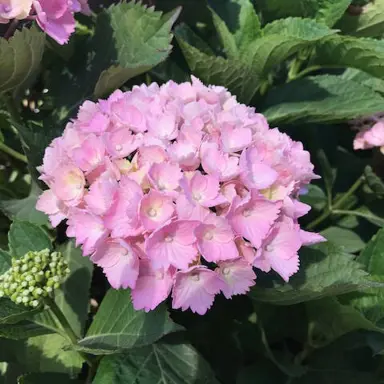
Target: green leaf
{"x": 237, "y": 25}
{"x": 330, "y": 320}
{"x": 374, "y": 182}
{"x": 20, "y": 58}
{"x": 322, "y": 98}
{"x": 5, "y": 261}
{"x": 329, "y": 174}
{"x": 47, "y": 378}
{"x": 24, "y": 237}
{"x": 233, "y": 74}
{"x": 351, "y": 52}
{"x": 372, "y": 257}
{"x": 325, "y": 270}
{"x": 22, "y": 330}
{"x": 281, "y": 39}
{"x": 364, "y": 78}
{"x": 370, "y": 23}
{"x": 315, "y": 197}
{"x": 134, "y": 37}
{"x": 367, "y": 214}
{"x": 159, "y": 363}
{"x": 349, "y": 240}
{"x": 73, "y": 296}
{"x": 25, "y": 209}
{"x": 52, "y": 353}
{"x": 118, "y": 326}
{"x": 325, "y": 11}
{"x": 11, "y": 313}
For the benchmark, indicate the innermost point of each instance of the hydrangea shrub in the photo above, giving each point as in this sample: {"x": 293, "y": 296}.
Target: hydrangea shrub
{"x": 191, "y": 192}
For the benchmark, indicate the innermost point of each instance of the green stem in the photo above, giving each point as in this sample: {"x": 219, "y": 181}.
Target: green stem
{"x": 66, "y": 326}
{"x": 11, "y": 152}
{"x": 337, "y": 203}
{"x": 294, "y": 69}
{"x": 313, "y": 68}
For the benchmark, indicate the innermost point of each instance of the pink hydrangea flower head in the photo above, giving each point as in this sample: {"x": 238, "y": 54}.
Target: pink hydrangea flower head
{"x": 177, "y": 188}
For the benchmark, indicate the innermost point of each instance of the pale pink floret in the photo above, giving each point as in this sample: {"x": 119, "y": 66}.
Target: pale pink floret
{"x": 253, "y": 217}
{"x": 91, "y": 119}
{"x": 371, "y": 137}
{"x": 215, "y": 239}
{"x": 55, "y": 17}
{"x": 152, "y": 286}
{"x": 151, "y": 154}
{"x": 52, "y": 206}
{"x": 235, "y": 139}
{"x": 88, "y": 229}
{"x": 186, "y": 210}
{"x": 311, "y": 238}
{"x": 238, "y": 276}
{"x": 90, "y": 154}
{"x": 254, "y": 172}
{"x": 122, "y": 142}
{"x": 165, "y": 177}
{"x": 280, "y": 248}
{"x": 102, "y": 194}
{"x": 195, "y": 288}
{"x": 155, "y": 210}
{"x": 120, "y": 263}
{"x": 123, "y": 217}
{"x": 173, "y": 244}
{"x": 128, "y": 115}
{"x": 14, "y": 9}
{"x": 68, "y": 185}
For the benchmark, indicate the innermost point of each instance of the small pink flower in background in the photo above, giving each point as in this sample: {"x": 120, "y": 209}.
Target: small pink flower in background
{"x": 371, "y": 132}
{"x": 14, "y": 9}
{"x": 178, "y": 188}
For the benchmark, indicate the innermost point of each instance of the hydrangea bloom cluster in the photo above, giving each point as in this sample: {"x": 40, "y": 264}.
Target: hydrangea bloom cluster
{"x": 371, "y": 132}
{"x": 178, "y": 188}
{"x": 55, "y": 17}
{"x": 33, "y": 277}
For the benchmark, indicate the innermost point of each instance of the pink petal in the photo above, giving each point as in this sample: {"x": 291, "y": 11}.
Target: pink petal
{"x": 173, "y": 244}
{"x": 152, "y": 286}
{"x": 90, "y": 154}
{"x": 235, "y": 139}
{"x": 238, "y": 276}
{"x": 155, "y": 210}
{"x": 196, "y": 288}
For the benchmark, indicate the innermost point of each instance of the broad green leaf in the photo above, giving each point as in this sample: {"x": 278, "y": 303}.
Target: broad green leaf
{"x": 5, "y": 261}
{"x": 364, "y": 78}
{"x": 51, "y": 353}
{"x": 370, "y": 23}
{"x": 25, "y": 209}
{"x": 325, "y": 11}
{"x": 22, "y": 330}
{"x": 372, "y": 257}
{"x": 324, "y": 98}
{"x": 325, "y": 270}
{"x": 118, "y": 326}
{"x": 374, "y": 182}
{"x": 261, "y": 372}
{"x": 237, "y": 25}
{"x": 135, "y": 38}
{"x": 20, "y": 58}
{"x": 11, "y": 313}
{"x": 24, "y": 237}
{"x": 315, "y": 197}
{"x": 234, "y": 75}
{"x": 330, "y": 320}
{"x": 73, "y": 296}
{"x": 351, "y": 52}
{"x": 47, "y": 378}
{"x": 281, "y": 39}
{"x": 159, "y": 363}
{"x": 349, "y": 240}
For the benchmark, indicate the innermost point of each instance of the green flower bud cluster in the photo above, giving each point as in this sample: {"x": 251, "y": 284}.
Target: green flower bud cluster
{"x": 33, "y": 277}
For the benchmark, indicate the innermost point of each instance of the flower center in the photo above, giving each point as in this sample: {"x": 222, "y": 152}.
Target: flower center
{"x": 269, "y": 248}
{"x": 159, "y": 275}
{"x": 118, "y": 147}
{"x": 197, "y": 196}
{"x": 247, "y": 212}
{"x": 208, "y": 235}
{"x": 226, "y": 271}
{"x": 195, "y": 277}
{"x": 152, "y": 212}
{"x": 168, "y": 239}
